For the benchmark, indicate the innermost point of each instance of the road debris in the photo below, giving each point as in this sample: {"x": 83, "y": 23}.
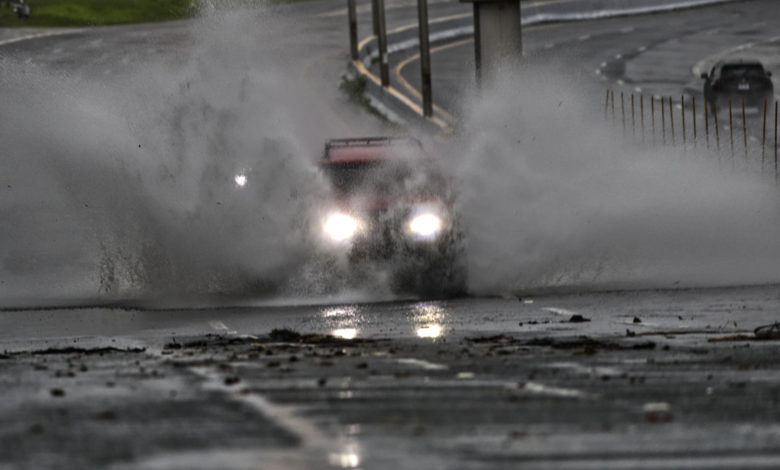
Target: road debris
{"x": 657, "y": 412}
{"x": 771, "y": 331}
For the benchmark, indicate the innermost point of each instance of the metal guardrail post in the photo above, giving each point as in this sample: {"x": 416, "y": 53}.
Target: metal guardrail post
{"x": 375, "y": 16}
{"x": 353, "y": 31}
{"x": 425, "y": 57}
{"x": 384, "y": 66}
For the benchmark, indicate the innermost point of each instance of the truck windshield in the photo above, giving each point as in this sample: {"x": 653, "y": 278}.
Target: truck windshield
{"x": 383, "y": 178}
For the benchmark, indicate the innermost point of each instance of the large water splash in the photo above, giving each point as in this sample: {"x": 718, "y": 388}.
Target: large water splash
{"x": 555, "y": 197}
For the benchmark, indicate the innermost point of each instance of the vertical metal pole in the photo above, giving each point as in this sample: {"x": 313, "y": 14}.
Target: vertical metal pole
{"x": 663, "y": 120}
{"x": 612, "y": 93}
{"x": 717, "y": 128}
{"x": 682, "y": 113}
{"x": 623, "y": 113}
{"x": 744, "y": 127}
{"x": 763, "y": 138}
{"x": 706, "y": 124}
{"x": 477, "y": 46}
{"x": 731, "y": 129}
{"x": 775, "y": 139}
{"x": 633, "y": 117}
{"x": 375, "y": 16}
{"x": 425, "y": 58}
{"x": 642, "y": 115}
{"x": 652, "y": 116}
{"x": 671, "y": 119}
{"x": 353, "y": 31}
{"x": 384, "y": 66}
{"x": 693, "y": 112}
{"x": 606, "y": 106}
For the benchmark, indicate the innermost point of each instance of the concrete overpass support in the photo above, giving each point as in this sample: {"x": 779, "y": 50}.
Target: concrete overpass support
{"x": 497, "y": 35}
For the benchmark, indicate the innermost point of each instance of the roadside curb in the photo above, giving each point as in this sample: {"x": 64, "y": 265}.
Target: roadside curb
{"x": 401, "y": 109}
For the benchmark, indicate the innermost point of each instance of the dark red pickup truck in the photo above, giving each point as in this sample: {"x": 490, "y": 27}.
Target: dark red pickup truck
{"x": 390, "y": 203}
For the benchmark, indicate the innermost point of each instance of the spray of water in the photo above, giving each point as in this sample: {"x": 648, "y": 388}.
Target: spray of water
{"x": 554, "y": 197}
{"x": 186, "y": 175}
{"x": 196, "y": 175}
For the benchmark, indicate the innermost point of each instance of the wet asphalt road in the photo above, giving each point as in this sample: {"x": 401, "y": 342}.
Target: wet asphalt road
{"x": 660, "y": 54}
{"x": 651, "y": 380}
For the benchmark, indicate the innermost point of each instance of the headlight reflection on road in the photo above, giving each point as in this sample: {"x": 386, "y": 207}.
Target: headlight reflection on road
{"x": 429, "y": 331}
{"x": 347, "y": 458}
{"x": 428, "y": 318}
{"x": 348, "y": 311}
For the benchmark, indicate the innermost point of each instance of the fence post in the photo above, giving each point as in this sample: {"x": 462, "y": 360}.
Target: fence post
{"x": 706, "y": 124}
{"x": 763, "y": 138}
{"x": 744, "y": 127}
{"x": 717, "y": 128}
{"x": 682, "y": 113}
{"x": 652, "y": 116}
{"x": 642, "y": 115}
{"x": 671, "y": 120}
{"x": 693, "y": 111}
{"x": 663, "y": 120}
{"x": 623, "y": 113}
{"x": 731, "y": 130}
{"x": 612, "y": 93}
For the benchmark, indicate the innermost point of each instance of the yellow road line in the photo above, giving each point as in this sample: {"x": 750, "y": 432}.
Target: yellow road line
{"x": 398, "y": 95}
{"x": 363, "y": 70}
{"x": 399, "y": 74}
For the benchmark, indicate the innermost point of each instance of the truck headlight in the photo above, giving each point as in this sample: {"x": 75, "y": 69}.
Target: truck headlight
{"x": 425, "y": 225}
{"x": 340, "y": 227}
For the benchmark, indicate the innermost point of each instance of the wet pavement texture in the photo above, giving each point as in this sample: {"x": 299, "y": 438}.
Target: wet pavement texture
{"x": 617, "y": 380}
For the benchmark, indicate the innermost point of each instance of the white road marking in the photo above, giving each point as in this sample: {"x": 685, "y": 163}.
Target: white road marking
{"x": 420, "y": 363}
{"x": 584, "y": 37}
{"x": 586, "y": 370}
{"x": 618, "y": 56}
{"x": 38, "y": 36}
{"x": 285, "y": 416}
{"x": 560, "y": 311}
{"x": 541, "y": 389}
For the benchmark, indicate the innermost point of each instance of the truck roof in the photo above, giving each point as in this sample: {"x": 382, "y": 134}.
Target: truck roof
{"x": 364, "y": 149}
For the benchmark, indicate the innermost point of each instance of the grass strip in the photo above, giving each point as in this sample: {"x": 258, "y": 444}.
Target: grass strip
{"x": 55, "y": 13}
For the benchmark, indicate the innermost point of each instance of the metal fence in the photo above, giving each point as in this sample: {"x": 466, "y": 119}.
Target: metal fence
{"x": 727, "y": 133}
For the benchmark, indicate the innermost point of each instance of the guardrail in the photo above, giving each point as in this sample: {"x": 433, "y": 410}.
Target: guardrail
{"x": 667, "y": 121}
{"x": 403, "y": 109}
